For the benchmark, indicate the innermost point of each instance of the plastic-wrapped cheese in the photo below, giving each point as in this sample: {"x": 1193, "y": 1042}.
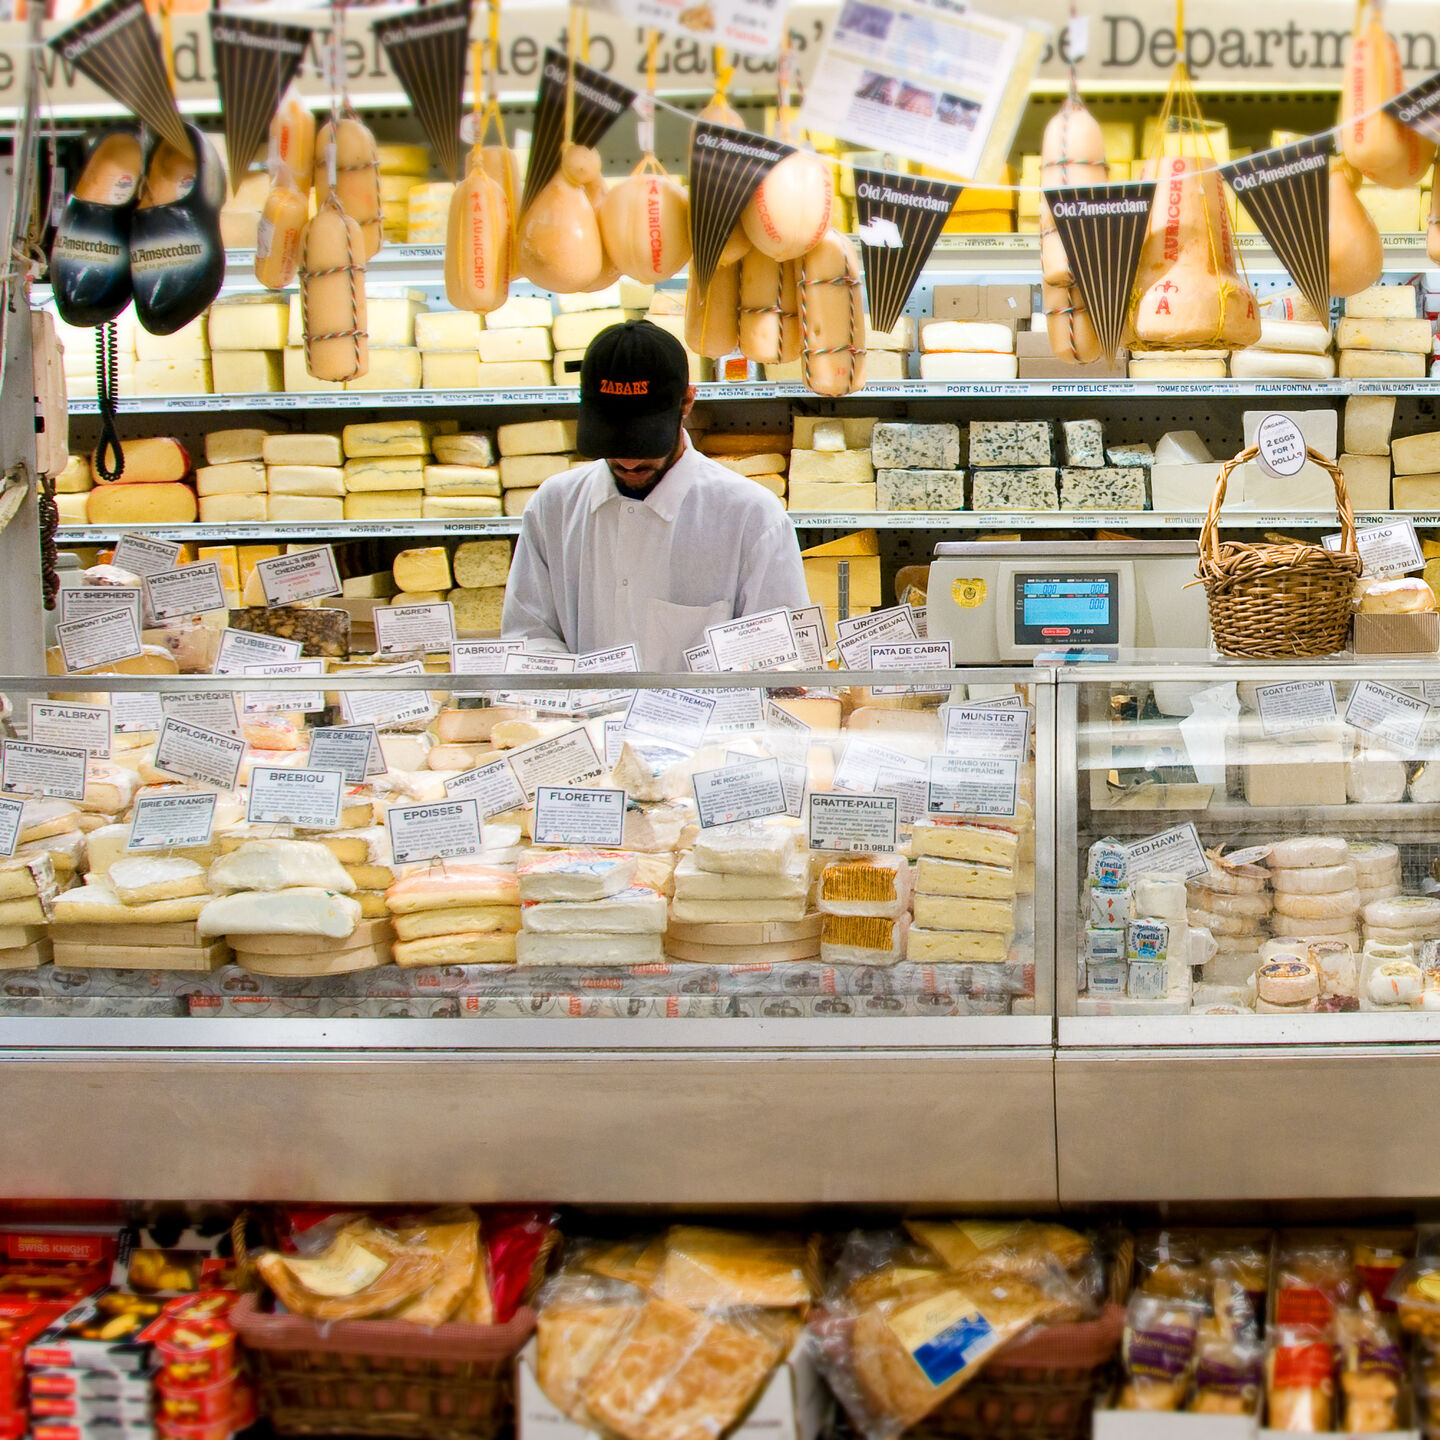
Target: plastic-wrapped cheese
{"x": 1298, "y": 926}
{"x": 789, "y": 212}
{"x": 558, "y": 244}
{"x": 712, "y": 315}
{"x": 138, "y": 880}
{"x": 282, "y": 224}
{"x": 454, "y": 887}
{"x": 1315, "y": 880}
{"x": 1335, "y": 905}
{"x": 357, "y": 177}
{"x": 863, "y": 939}
{"x": 762, "y": 851}
{"x": 292, "y": 139}
{"x": 1303, "y": 852}
{"x": 332, "y": 297}
{"x": 1072, "y": 152}
{"x": 478, "y": 243}
{"x": 279, "y": 865}
{"x": 870, "y": 885}
{"x": 1375, "y": 782}
{"x": 645, "y": 224}
{"x": 1405, "y": 912}
{"x": 832, "y": 318}
{"x": 1406, "y": 596}
{"x": 1222, "y": 925}
{"x": 636, "y": 911}
{"x": 1374, "y": 142}
{"x": 302, "y": 910}
{"x": 1217, "y": 903}
{"x": 1357, "y": 254}
{"x": 769, "y": 310}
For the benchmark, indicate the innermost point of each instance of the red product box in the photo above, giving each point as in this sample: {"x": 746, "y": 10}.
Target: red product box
{"x": 101, "y": 1333}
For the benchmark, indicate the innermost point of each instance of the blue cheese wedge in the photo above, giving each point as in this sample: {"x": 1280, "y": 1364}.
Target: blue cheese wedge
{"x": 1114, "y": 488}
{"x": 997, "y": 443}
{"x": 920, "y": 489}
{"x": 899, "y": 446}
{"x": 1140, "y": 456}
{"x": 1084, "y": 444}
{"x": 1035, "y": 489}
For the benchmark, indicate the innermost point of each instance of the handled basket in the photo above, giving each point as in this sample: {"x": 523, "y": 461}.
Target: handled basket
{"x": 1279, "y": 601}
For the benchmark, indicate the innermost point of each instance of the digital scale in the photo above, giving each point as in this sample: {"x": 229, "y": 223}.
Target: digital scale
{"x": 1007, "y": 603}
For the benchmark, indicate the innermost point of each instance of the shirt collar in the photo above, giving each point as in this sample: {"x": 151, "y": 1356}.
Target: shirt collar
{"x": 665, "y": 499}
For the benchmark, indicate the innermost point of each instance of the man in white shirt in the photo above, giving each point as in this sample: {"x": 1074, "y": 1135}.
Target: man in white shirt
{"x": 648, "y": 550}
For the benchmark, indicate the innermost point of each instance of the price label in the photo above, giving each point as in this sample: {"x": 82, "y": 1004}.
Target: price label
{"x": 446, "y": 830}
{"x": 621, "y": 659}
{"x": 886, "y": 627}
{"x": 199, "y": 754}
{"x": 186, "y": 590}
{"x": 811, "y": 637}
{"x": 754, "y": 642}
{"x": 301, "y": 575}
{"x": 680, "y": 717}
{"x": 415, "y": 627}
{"x": 912, "y": 791}
{"x": 909, "y": 655}
{"x": 388, "y": 707}
{"x": 1295, "y": 706}
{"x": 862, "y": 761}
{"x": 209, "y": 709}
{"x": 1386, "y": 550}
{"x": 788, "y": 737}
{"x": 737, "y": 712}
{"x": 87, "y": 726}
{"x": 556, "y": 701}
{"x": 300, "y": 702}
{"x": 482, "y": 657}
{"x": 750, "y": 791}
{"x": 54, "y": 770}
{"x": 1392, "y": 715}
{"x": 97, "y": 640}
{"x": 1172, "y": 852}
{"x": 164, "y": 822}
{"x": 565, "y": 759}
{"x": 353, "y": 750}
{"x": 10, "y": 813}
{"x": 981, "y": 785}
{"x": 851, "y": 823}
{"x": 700, "y": 660}
{"x": 308, "y": 798}
{"x": 136, "y": 712}
{"x": 492, "y": 786}
{"x": 142, "y": 556}
{"x": 986, "y": 730}
{"x": 239, "y": 648}
{"x": 1281, "y": 445}
{"x": 86, "y": 601}
{"x": 570, "y": 816}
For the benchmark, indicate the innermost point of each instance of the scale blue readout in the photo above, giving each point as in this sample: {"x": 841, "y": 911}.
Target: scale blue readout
{"x": 1057, "y": 609}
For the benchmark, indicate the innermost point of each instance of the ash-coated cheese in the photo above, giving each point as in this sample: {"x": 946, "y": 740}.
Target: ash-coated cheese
{"x": 1035, "y": 489}
{"x": 1107, "y": 489}
{"x": 920, "y": 489}
{"x": 1084, "y": 444}
{"x": 899, "y": 446}
{"x": 1008, "y": 443}
{"x": 1140, "y": 456}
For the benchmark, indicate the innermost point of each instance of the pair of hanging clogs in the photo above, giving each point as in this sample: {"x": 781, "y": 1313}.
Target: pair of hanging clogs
{"x": 142, "y": 223}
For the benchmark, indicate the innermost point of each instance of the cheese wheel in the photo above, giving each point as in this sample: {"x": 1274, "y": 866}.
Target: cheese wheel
{"x": 1287, "y": 980}
{"x": 1385, "y": 935}
{"x": 1372, "y": 141}
{"x": 152, "y": 460}
{"x": 558, "y": 245}
{"x": 1395, "y": 982}
{"x": 332, "y": 296}
{"x": 1069, "y": 326}
{"x": 1300, "y": 925}
{"x": 789, "y": 212}
{"x": 1241, "y": 880}
{"x": 1404, "y": 912}
{"x": 769, "y": 310}
{"x": 712, "y": 316}
{"x": 477, "y": 244}
{"x": 1318, "y": 880}
{"x": 1072, "y": 152}
{"x": 1219, "y": 925}
{"x": 1375, "y": 862}
{"x": 645, "y": 225}
{"x": 1303, "y": 852}
{"x": 171, "y": 504}
{"x": 1329, "y": 906}
{"x": 1213, "y": 902}
{"x": 1357, "y": 255}
{"x": 277, "y": 240}
{"x": 1378, "y": 892}
{"x": 357, "y": 177}
{"x": 1406, "y": 596}
{"x": 292, "y": 140}
{"x": 832, "y": 318}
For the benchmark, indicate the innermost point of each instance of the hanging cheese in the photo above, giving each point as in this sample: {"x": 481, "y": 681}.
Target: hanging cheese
{"x": 292, "y": 140}
{"x": 558, "y": 244}
{"x": 1067, "y": 321}
{"x": 1072, "y": 152}
{"x": 769, "y": 310}
{"x": 332, "y": 296}
{"x": 357, "y": 176}
{"x": 277, "y": 241}
{"x": 712, "y": 316}
{"x": 789, "y": 212}
{"x": 1432, "y": 226}
{"x": 1357, "y": 254}
{"x": 720, "y": 112}
{"x": 477, "y": 244}
{"x": 832, "y": 318}
{"x": 1372, "y": 141}
{"x": 502, "y": 165}
{"x": 645, "y": 224}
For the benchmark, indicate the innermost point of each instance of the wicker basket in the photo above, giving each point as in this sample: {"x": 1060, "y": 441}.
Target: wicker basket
{"x": 383, "y": 1377}
{"x": 1274, "y": 601}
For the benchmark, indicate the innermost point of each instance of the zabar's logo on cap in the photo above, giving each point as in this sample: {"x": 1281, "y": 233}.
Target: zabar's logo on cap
{"x": 624, "y": 387}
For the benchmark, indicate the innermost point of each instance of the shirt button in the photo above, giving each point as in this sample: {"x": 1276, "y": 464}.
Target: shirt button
{"x": 629, "y": 509}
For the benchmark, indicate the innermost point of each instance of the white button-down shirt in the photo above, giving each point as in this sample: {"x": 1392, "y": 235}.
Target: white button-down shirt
{"x": 594, "y": 568}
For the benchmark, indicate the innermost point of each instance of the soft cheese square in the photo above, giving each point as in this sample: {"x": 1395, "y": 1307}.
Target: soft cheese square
{"x": 899, "y": 446}
{"x": 995, "y": 443}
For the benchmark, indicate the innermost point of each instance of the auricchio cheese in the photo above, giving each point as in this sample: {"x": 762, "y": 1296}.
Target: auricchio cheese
{"x": 1357, "y": 256}
{"x": 645, "y": 224}
{"x": 712, "y": 315}
{"x": 769, "y": 310}
{"x": 789, "y": 212}
{"x": 277, "y": 242}
{"x": 477, "y": 244}
{"x": 1069, "y": 326}
{"x": 292, "y": 139}
{"x": 558, "y": 245}
{"x": 332, "y": 296}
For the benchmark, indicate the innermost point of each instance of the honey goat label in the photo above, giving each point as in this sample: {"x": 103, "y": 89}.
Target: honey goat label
{"x": 1287, "y": 192}
{"x": 255, "y": 61}
{"x": 905, "y": 208}
{"x": 1102, "y": 228}
{"x": 1419, "y": 107}
{"x": 426, "y": 49}
{"x": 726, "y": 167}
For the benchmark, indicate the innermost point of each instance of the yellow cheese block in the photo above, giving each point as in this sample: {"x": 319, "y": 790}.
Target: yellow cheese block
{"x": 303, "y": 450}
{"x": 155, "y": 460}
{"x": 168, "y": 504}
{"x": 1410, "y": 337}
{"x": 459, "y": 507}
{"x": 229, "y": 562}
{"x": 172, "y": 377}
{"x": 566, "y": 366}
{"x": 477, "y": 610}
{"x": 1381, "y": 365}
{"x": 387, "y": 437}
{"x": 306, "y": 508}
{"x": 384, "y": 505}
{"x": 72, "y": 510}
{"x": 260, "y": 324}
{"x": 298, "y": 379}
{"x": 513, "y": 502}
{"x": 481, "y": 563}
{"x": 391, "y": 320}
{"x": 449, "y": 370}
{"x": 447, "y": 330}
{"x": 423, "y": 568}
{"x": 521, "y": 310}
{"x": 1416, "y": 492}
{"x": 462, "y": 480}
{"x": 307, "y": 480}
{"x": 153, "y": 660}
{"x": 409, "y": 160}
{"x": 536, "y": 437}
{"x": 390, "y": 370}
{"x": 233, "y": 509}
{"x": 521, "y": 375}
{"x": 1383, "y": 302}
{"x": 824, "y": 495}
{"x": 510, "y": 345}
{"x": 392, "y": 472}
{"x": 1395, "y": 212}
{"x": 524, "y": 472}
{"x": 247, "y": 372}
{"x": 224, "y": 447}
{"x": 189, "y": 342}
{"x": 75, "y": 478}
{"x": 576, "y": 331}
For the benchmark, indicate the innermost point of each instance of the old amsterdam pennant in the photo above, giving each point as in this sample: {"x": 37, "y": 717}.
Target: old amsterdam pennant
{"x": 255, "y": 60}
{"x": 1287, "y": 191}
{"x": 117, "y": 47}
{"x": 726, "y": 165}
{"x": 599, "y": 102}
{"x": 900, "y": 219}
{"x": 1102, "y": 227}
{"x": 1419, "y": 107}
{"x": 427, "y": 50}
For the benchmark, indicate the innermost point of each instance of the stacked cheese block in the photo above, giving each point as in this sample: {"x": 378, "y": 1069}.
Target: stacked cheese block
{"x": 384, "y": 468}
{"x": 1366, "y": 461}
{"x": 1234, "y": 903}
{"x": 586, "y": 907}
{"x": 1416, "y": 463}
{"x": 27, "y": 889}
{"x": 973, "y": 917}
{"x": 1316, "y": 890}
{"x": 472, "y": 580}
{"x": 1382, "y": 337}
{"x": 967, "y": 350}
{"x": 887, "y": 356}
{"x": 390, "y": 315}
{"x": 829, "y": 472}
{"x": 1297, "y": 349}
{"x": 917, "y": 467}
{"x": 1402, "y": 920}
{"x": 761, "y": 456}
{"x": 152, "y": 488}
{"x": 531, "y": 451}
{"x": 1012, "y": 467}
{"x": 455, "y": 914}
{"x": 865, "y": 905}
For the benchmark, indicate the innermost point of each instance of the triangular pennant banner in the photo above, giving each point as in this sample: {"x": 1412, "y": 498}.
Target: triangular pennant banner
{"x": 726, "y": 166}
{"x": 427, "y": 51}
{"x": 117, "y": 47}
{"x": 900, "y": 219}
{"x": 1419, "y": 108}
{"x": 1287, "y": 191}
{"x": 1102, "y": 228}
{"x": 599, "y": 103}
{"x": 255, "y": 61}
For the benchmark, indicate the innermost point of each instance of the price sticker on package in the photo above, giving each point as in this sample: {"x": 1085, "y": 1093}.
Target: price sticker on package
{"x": 481, "y": 657}
{"x": 353, "y": 750}
{"x": 492, "y": 786}
{"x": 10, "y": 813}
{"x": 239, "y": 648}
{"x": 1295, "y": 706}
{"x": 87, "y": 726}
{"x": 446, "y": 830}
{"x": 195, "y": 753}
{"x": 298, "y": 702}
{"x": 301, "y": 575}
{"x": 981, "y": 785}
{"x": 185, "y": 590}
{"x": 1172, "y": 852}
{"x": 430, "y": 628}
{"x": 754, "y": 642}
{"x": 571, "y": 816}
{"x": 165, "y": 822}
{"x": 142, "y": 556}
{"x": 1386, "y": 551}
{"x": 1388, "y": 714}
{"x": 54, "y": 770}
{"x": 854, "y": 823}
{"x": 98, "y": 640}
{"x": 752, "y": 791}
{"x": 83, "y": 602}
{"x": 282, "y": 796}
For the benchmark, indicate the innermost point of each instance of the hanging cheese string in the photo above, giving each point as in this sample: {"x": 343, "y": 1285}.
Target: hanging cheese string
{"x": 487, "y": 67}
{"x": 724, "y": 73}
{"x": 783, "y": 79}
{"x": 167, "y": 40}
{"x": 645, "y": 106}
{"x": 577, "y": 49}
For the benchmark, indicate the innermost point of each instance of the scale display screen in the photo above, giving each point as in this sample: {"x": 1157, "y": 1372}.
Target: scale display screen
{"x": 1070, "y": 609}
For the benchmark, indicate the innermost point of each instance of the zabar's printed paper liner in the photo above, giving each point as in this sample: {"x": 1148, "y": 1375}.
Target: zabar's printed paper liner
{"x": 255, "y": 61}
{"x": 1102, "y": 228}
{"x": 726, "y": 167}
{"x": 1287, "y": 191}
{"x": 427, "y": 51}
{"x": 599, "y": 102}
{"x": 117, "y": 47}
{"x": 901, "y": 217}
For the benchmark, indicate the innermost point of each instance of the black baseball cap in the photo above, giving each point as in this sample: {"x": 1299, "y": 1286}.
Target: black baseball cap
{"x": 633, "y": 383}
